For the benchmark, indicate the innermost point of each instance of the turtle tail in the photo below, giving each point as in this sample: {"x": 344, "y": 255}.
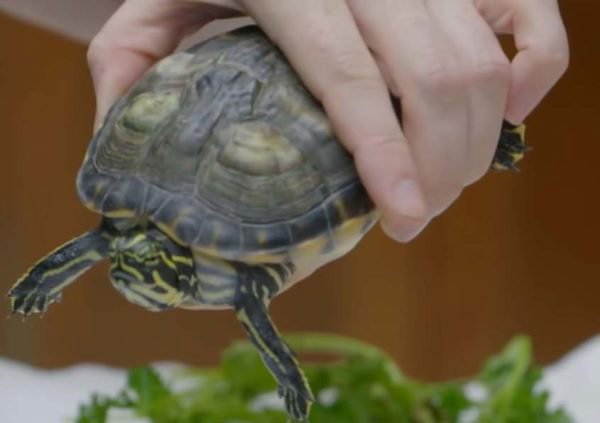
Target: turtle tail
{"x": 43, "y": 283}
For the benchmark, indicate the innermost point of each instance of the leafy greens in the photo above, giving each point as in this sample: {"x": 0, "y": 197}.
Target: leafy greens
{"x": 362, "y": 385}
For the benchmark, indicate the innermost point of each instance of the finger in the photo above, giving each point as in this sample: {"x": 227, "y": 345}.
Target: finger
{"x": 543, "y": 55}
{"x": 335, "y": 64}
{"x": 426, "y": 76}
{"x": 487, "y": 72}
{"x": 138, "y": 34}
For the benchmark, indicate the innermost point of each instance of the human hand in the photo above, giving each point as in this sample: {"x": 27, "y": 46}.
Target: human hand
{"x": 441, "y": 58}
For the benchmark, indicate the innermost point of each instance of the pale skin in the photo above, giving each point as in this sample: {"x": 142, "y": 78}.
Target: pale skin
{"x": 441, "y": 58}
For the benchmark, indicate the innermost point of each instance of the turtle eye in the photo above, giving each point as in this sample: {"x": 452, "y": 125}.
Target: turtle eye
{"x": 148, "y": 254}
{"x": 152, "y": 261}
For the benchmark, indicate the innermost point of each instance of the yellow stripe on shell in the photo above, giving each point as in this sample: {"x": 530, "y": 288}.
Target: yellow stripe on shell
{"x": 261, "y": 237}
{"x": 91, "y": 206}
{"x": 119, "y": 213}
{"x": 351, "y": 230}
{"x": 168, "y": 230}
{"x": 311, "y": 248}
{"x": 264, "y": 257}
{"x": 344, "y": 238}
{"x": 341, "y": 208}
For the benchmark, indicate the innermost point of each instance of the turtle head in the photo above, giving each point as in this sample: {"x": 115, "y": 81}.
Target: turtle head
{"x": 150, "y": 269}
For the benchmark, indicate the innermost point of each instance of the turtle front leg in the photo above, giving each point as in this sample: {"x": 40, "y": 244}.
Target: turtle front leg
{"x": 258, "y": 285}
{"x": 43, "y": 283}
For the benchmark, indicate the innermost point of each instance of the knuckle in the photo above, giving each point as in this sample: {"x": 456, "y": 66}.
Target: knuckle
{"x": 554, "y": 59}
{"x": 351, "y": 67}
{"x": 347, "y": 62}
{"x": 493, "y": 70}
{"x": 449, "y": 75}
{"x": 377, "y": 143}
{"x": 438, "y": 75}
{"x": 96, "y": 53}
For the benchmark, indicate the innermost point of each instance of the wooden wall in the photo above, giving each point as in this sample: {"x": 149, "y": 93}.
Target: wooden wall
{"x": 516, "y": 254}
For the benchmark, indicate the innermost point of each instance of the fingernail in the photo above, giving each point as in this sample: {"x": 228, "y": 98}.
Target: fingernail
{"x": 409, "y": 199}
{"x": 405, "y": 232}
{"x": 411, "y": 212}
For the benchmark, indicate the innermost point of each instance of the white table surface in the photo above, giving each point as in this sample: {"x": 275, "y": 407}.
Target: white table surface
{"x": 31, "y": 395}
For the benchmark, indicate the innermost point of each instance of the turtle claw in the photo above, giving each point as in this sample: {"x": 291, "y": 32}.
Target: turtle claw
{"x": 297, "y": 403}
{"x": 31, "y": 303}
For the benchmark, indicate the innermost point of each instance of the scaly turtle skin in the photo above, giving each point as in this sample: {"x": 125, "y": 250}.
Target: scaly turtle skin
{"x": 220, "y": 183}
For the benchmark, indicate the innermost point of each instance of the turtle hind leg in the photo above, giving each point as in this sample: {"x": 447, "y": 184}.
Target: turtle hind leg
{"x": 278, "y": 357}
{"x": 511, "y": 147}
{"x": 251, "y": 300}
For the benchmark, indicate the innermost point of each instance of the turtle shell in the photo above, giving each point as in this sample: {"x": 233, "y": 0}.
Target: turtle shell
{"x": 223, "y": 148}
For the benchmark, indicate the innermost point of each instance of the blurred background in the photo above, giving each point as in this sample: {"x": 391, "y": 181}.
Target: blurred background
{"x": 518, "y": 253}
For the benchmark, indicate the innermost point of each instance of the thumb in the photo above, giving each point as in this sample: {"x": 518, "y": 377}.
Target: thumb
{"x": 542, "y": 58}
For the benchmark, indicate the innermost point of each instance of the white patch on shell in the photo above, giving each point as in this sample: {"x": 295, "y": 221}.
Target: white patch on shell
{"x": 147, "y": 110}
{"x": 257, "y": 149}
{"x": 175, "y": 65}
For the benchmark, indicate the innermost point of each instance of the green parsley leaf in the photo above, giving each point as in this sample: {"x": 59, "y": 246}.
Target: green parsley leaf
{"x": 357, "y": 383}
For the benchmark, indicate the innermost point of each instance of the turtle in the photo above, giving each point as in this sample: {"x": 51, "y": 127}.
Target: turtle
{"x": 220, "y": 184}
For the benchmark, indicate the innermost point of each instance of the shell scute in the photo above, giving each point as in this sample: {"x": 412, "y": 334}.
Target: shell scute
{"x": 125, "y": 199}
{"x": 311, "y": 224}
{"x": 221, "y": 234}
{"x": 273, "y": 238}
